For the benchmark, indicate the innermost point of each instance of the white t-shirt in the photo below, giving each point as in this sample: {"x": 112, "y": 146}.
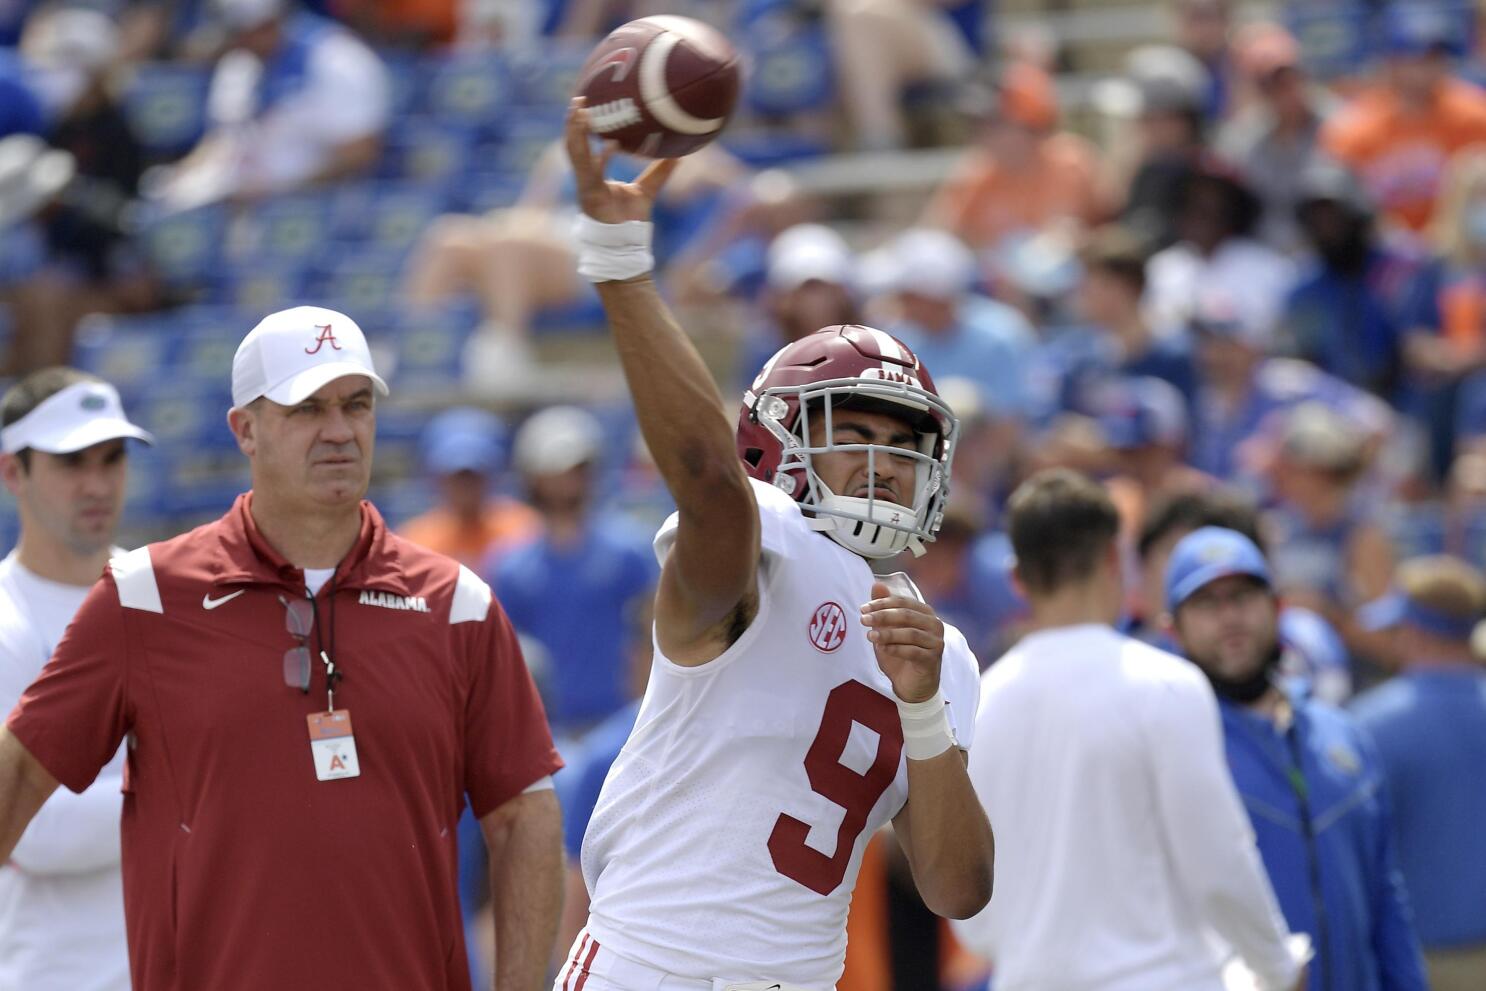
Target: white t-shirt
{"x": 1254, "y": 277}
{"x": 345, "y": 95}
{"x": 62, "y": 895}
{"x": 713, "y": 852}
{"x": 1124, "y": 858}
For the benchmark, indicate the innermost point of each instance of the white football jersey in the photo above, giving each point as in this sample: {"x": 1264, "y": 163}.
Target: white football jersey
{"x": 729, "y": 833}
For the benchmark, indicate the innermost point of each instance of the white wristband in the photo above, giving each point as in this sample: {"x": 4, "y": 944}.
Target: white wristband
{"x": 926, "y": 732}
{"x": 613, "y": 252}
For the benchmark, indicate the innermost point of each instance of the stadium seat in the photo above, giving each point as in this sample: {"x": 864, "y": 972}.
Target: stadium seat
{"x": 481, "y": 192}
{"x": 187, "y": 413}
{"x": 548, "y": 78}
{"x": 406, "y": 82}
{"x": 260, "y": 285}
{"x": 523, "y": 136}
{"x": 185, "y": 248}
{"x": 360, "y": 282}
{"x": 474, "y": 89}
{"x": 429, "y": 347}
{"x": 128, "y": 351}
{"x": 385, "y": 216}
{"x": 791, "y": 70}
{"x": 426, "y": 149}
{"x": 166, "y": 107}
{"x": 283, "y": 229}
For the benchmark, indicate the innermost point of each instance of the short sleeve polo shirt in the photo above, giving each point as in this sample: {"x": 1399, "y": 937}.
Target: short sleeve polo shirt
{"x": 241, "y": 869}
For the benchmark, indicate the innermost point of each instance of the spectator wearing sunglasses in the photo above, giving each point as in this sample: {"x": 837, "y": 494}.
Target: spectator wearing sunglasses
{"x": 64, "y": 459}
{"x": 309, "y": 702}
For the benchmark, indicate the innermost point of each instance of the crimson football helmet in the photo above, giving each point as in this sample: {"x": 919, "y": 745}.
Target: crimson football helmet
{"x": 849, "y": 367}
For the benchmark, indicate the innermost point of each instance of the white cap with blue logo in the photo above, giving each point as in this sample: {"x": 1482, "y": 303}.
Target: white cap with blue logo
{"x": 71, "y": 419}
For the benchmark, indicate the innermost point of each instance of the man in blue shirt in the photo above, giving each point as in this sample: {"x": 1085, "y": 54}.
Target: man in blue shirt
{"x": 950, "y": 326}
{"x": 1310, "y": 779}
{"x": 1429, "y": 724}
{"x": 1345, "y": 313}
{"x": 574, "y": 588}
{"x": 20, "y": 107}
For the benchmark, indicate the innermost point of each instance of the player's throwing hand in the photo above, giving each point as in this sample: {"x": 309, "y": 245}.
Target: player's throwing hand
{"x": 908, "y": 639}
{"x": 609, "y": 201}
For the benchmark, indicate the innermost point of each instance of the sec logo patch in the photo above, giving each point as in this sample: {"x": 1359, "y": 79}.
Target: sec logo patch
{"x": 828, "y": 627}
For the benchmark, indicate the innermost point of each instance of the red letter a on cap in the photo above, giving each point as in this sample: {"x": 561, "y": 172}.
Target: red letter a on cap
{"x": 326, "y": 337}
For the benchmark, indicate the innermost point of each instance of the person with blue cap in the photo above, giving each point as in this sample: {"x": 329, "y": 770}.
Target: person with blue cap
{"x": 463, "y": 452}
{"x": 1429, "y": 724}
{"x": 1310, "y": 778}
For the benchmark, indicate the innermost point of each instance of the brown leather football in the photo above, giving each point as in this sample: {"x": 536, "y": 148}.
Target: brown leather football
{"x": 661, "y": 86}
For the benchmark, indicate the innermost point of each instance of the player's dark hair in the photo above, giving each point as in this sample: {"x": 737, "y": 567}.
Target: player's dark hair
{"x": 1188, "y": 511}
{"x": 1061, "y": 525}
{"x": 33, "y": 390}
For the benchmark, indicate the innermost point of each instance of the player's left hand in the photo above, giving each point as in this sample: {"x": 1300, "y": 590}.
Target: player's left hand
{"x": 607, "y": 200}
{"x": 909, "y": 641}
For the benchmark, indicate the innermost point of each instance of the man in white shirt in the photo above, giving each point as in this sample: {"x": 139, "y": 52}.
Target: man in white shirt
{"x": 296, "y": 100}
{"x": 63, "y": 458}
{"x": 1125, "y": 861}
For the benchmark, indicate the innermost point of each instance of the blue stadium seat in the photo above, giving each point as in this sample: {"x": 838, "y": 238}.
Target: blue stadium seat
{"x": 385, "y": 216}
{"x": 284, "y": 228}
{"x": 547, "y": 79}
{"x": 474, "y": 89}
{"x": 261, "y": 285}
{"x": 430, "y": 345}
{"x": 400, "y": 501}
{"x": 791, "y": 69}
{"x": 187, "y": 413}
{"x": 359, "y": 283}
{"x": 185, "y": 248}
{"x": 406, "y": 82}
{"x": 200, "y": 482}
{"x": 128, "y": 351}
{"x": 765, "y": 149}
{"x": 524, "y": 135}
{"x": 426, "y": 149}
{"x": 205, "y": 356}
{"x": 580, "y": 316}
{"x": 166, "y": 106}
{"x": 481, "y": 192}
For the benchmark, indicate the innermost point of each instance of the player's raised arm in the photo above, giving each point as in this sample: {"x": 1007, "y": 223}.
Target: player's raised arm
{"x": 707, "y": 593}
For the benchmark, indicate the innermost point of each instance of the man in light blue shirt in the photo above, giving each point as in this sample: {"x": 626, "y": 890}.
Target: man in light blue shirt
{"x": 950, "y": 326}
{"x": 1429, "y": 725}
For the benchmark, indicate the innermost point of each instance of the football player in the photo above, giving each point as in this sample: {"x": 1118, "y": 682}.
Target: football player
{"x": 797, "y": 701}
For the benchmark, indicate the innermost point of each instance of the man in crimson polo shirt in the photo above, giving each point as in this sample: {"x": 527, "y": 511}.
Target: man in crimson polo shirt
{"x": 269, "y": 843}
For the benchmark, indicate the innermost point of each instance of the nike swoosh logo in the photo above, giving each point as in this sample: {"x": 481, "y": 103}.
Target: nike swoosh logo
{"x": 207, "y": 602}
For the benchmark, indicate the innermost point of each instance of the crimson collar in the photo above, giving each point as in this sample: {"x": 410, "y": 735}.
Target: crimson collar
{"x": 247, "y": 558}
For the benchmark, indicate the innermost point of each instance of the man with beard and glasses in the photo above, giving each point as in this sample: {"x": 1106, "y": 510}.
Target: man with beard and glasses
{"x": 1308, "y": 775}
{"x": 309, "y": 701}
{"x": 63, "y": 436}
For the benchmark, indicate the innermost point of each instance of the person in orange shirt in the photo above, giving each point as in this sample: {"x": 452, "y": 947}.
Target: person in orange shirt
{"x": 462, "y": 451}
{"x": 1400, "y": 135}
{"x": 1023, "y": 175}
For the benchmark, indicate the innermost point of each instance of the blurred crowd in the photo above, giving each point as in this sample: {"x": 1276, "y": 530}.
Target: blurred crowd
{"x": 1242, "y": 280}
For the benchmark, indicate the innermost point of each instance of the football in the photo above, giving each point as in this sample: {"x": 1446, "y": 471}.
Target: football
{"x": 661, "y": 86}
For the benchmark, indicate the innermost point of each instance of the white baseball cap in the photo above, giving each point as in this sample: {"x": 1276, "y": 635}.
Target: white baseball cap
{"x": 806, "y": 253}
{"x": 294, "y": 353}
{"x": 557, "y": 439}
{"x": 933, "y": 263}
{"x": 71, "y": 419}
{"x": 244, "y": 15}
